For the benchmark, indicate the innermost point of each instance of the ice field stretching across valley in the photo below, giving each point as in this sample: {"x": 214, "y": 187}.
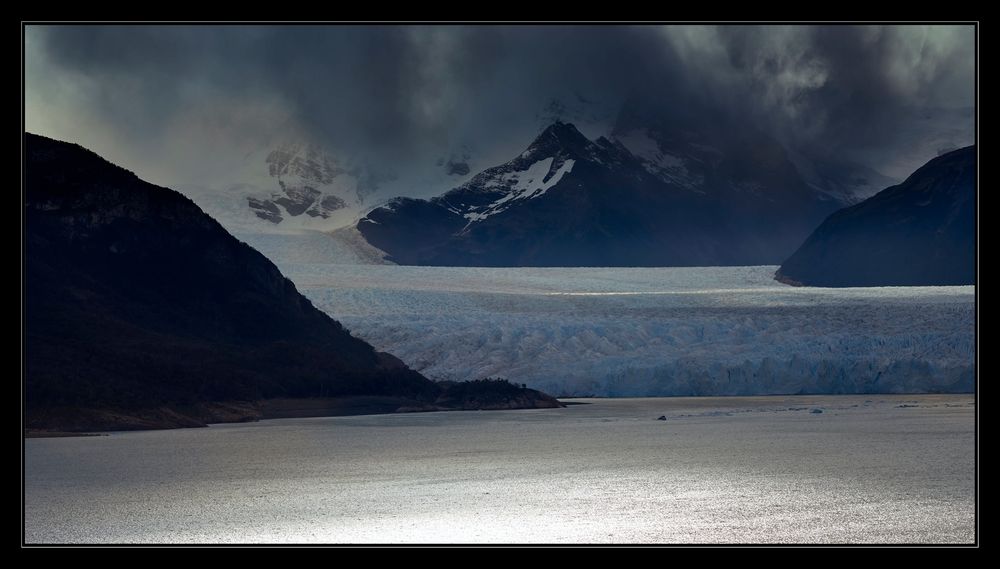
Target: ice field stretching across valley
{"x": 653, "y": 331}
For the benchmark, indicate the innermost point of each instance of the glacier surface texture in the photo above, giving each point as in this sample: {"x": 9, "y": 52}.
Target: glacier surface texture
{"x": 653, "y": 331}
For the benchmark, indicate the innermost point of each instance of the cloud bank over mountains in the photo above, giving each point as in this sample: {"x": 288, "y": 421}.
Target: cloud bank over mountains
{"x": 183, "y": 103}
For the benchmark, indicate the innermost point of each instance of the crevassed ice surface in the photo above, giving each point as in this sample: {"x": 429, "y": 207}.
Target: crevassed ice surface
{"x": 653, "y": 331}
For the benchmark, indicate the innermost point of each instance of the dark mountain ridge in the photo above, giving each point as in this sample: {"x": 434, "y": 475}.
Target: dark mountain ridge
{"x": 135, "y": 299}
{"x": 920, "y": 232}
{"x": 570, "y": 201}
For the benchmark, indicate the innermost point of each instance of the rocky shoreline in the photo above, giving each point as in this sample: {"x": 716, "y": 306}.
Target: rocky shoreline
{"x": 78, "y": 421}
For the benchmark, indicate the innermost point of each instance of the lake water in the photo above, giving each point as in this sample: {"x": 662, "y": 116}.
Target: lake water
{"x": 873, "y": 468}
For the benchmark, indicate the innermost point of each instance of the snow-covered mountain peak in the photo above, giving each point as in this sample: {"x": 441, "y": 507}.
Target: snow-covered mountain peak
{"x": 559, "y": 151}
{"x": 560, "y": 138}
{"x": 670, "y": 193}
{"x": 307, "y": 162}
{"x": 678, "y": 166}
{"x": 589, "y": 115}
{"x": 299, "y": 185}
{"x": 524, "y": 185}
{"x": 547, "y": 160}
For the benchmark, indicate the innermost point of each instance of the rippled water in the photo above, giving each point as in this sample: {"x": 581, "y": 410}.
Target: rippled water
{"x": 764, "y": 469}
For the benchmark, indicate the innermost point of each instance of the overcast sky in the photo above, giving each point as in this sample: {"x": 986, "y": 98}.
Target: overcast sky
{"x": 179, "y": 103}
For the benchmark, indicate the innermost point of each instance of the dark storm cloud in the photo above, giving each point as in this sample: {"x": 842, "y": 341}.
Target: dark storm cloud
{"x": 858, "y": 90}
{"x": 334, "y": 80}
{"x": 394, "y": 92}
{"x": 385, "y": 85}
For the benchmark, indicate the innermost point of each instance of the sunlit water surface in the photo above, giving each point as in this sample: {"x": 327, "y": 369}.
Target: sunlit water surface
{"x": 763, "y": 469}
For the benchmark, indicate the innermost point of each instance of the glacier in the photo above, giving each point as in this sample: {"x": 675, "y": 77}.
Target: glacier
{"x": 624, "y": 332}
